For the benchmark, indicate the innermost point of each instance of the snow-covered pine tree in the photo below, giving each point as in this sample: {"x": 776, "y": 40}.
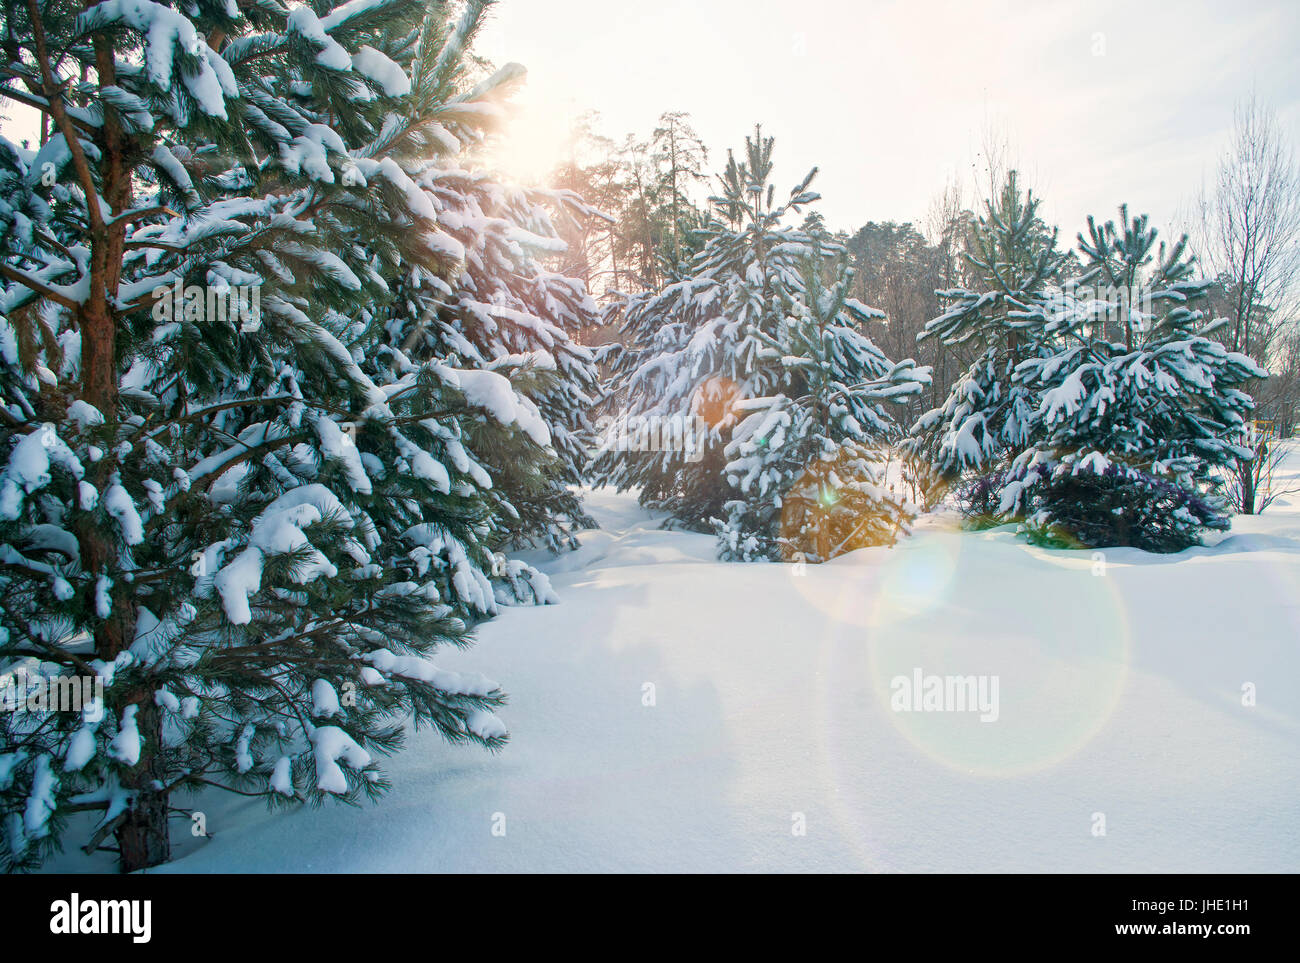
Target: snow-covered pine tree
{"x": 1140, "y": 407}
{"x": 187, "y": 510}
{"x": 507, "y": 311}
{"x": 494, "y": 437}
{"x": 807, "y": 461}
{"x": 502, "y": 328}
{"x": 477, "y": 315}
{"x": 692, "y": 348}
{"x": 985, "y": 420}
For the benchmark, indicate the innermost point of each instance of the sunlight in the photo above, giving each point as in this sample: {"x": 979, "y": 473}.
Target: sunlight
{"x": 536, "y": 138}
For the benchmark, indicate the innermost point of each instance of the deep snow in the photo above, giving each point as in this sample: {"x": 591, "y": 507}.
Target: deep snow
{"x": 1120, "y": 694}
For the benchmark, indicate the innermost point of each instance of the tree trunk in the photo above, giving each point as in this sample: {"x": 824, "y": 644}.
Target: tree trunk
{"x": 142, "y": 839}
{"x": 1246, "y": 475}
{"x": 142, "y": 836}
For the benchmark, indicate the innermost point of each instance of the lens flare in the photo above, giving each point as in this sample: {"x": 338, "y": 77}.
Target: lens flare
{"x": 940, "y": 605}
{"x": 716, "y": 399}
{"x": 838, "y": 506}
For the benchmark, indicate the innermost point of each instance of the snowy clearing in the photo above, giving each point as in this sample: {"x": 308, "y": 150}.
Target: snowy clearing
{"x": 1119, "y": 694}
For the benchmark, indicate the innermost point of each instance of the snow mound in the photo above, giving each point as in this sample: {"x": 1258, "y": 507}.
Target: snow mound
{"x": 733, "y": 717}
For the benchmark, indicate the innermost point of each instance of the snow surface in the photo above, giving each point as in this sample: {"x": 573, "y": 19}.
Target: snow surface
{"x": 1120, "y": 694}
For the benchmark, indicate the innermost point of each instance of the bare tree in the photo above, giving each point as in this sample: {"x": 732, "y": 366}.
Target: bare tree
{"x": 1279, "y": 398}
{"x": 1247, "y": 235}
{"x": 991, "y": 162}
{"x": 1249, "y": 228}
{"x": 592, "y": 171}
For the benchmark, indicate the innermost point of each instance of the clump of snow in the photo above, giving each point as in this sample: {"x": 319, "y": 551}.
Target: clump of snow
{"x": 497, "y": 396}
{"x": 125, "y": 747}
{"x": 277, "y": 531}
{"x": 422, "y": 670}
{"x": 281, "y": 776}
{"x": 81, "y": 749}
{"x": 337, "y": 444}
{"x": 103, "y": 596}
{"x": 330, "y": 744}
{"x": 303, "y": 21}
{"x": 40, "y": 804}
{"x": 119, "y": 504}
{"x": 28, "y": 469}
{"x": 85, "y": 414}
{"x": 243, "y": 757}
{"x": 382, "y": 70}
{"x": 324, "y": 700}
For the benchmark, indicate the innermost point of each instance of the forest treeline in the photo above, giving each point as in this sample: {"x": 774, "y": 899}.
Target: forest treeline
{"x": 655, "y": 187}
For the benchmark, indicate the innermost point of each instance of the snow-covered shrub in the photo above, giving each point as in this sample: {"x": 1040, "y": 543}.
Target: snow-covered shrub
{"x": 1121, "y": 505}
{"x": 979, "y": 498}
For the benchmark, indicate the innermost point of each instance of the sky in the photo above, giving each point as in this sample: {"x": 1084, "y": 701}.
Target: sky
{"x": 1100, "y": 103}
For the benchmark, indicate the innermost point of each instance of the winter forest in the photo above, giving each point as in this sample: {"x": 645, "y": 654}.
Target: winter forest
{"x": 340, "y": 460}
